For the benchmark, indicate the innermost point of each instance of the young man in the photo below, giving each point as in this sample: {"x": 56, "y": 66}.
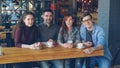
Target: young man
{"x": 93, "y": 36}
{"x": 49, "y": 33}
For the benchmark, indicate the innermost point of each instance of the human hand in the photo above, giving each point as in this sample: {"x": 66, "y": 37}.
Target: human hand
{"x": 53, "y": 42}
{"x": 88, "y": 44}
{"x": 36, "y": 46}
{"x": 89, "y": 50}
{"x": 32, "y": 46}
{"x": 67, "y": 45}
{"x": 70, "y": 45}
{"x": 49, "y": 44}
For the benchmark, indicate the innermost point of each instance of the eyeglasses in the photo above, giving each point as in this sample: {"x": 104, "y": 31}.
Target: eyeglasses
{"x": 86, "y": 20}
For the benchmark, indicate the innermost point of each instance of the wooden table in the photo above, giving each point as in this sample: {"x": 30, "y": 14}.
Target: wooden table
{"x": 16, "y": 55}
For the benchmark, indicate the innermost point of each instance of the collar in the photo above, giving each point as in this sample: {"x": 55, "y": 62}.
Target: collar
{"x": 47, "y": 24}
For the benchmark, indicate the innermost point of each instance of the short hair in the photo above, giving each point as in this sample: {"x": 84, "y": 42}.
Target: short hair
{"x": 47, "y": 10}
{"x": 86, "y": 14}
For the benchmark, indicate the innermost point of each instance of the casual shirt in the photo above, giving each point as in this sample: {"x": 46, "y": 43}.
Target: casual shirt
{"x": 26, "y": 35}
{"x": 48, "y": 32}
{"x": 89, "y": 36}
{"x": 98, "y": 38}
{"x": 72, "y": 35}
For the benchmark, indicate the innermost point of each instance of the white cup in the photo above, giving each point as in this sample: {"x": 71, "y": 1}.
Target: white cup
{"x": 70, "y": 41}
{"x": 49, "y": 44}
{"x": 80, "y": 45}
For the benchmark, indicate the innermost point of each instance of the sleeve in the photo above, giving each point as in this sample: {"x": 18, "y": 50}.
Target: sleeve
{"x": 60, "y": 36}
{"x": 37, "y": 36}
{"x": 82, "y": 30}
{"x": 101, "y": 37}
{"x": 77, "y": 35}
{"x": 57, "y": 32}
{"x": 17, "y": 38}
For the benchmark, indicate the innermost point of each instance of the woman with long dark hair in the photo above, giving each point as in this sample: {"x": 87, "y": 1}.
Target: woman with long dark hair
{"x": 26, "y": 36}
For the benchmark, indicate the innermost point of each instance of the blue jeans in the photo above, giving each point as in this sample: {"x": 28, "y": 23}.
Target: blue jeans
{"x": 80, "y": 63}
{"x": 6, "y": 65}
{"x": 1, "y": 66}
{"x": 26, "y": 65}
{"x": 52, "y": 64}
{"x": 102, "y": 62}
{"x": 69, "y": 63}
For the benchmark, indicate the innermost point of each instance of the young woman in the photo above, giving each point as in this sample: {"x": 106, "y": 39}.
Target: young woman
{"x": 26, "y": 36}
{"x": 68, "y": 36}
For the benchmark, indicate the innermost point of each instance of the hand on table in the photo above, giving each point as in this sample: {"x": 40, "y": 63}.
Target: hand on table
{"x": 88, "y": 44}
{"x": 89, "y": 50}
{"x": 36, "y": 46}
{"x": 67, "y": 45}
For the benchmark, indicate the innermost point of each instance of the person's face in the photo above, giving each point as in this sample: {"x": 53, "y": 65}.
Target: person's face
{"x": 47, "y": 16}
{"x": 69, "y": 21}
{"x": 87, "y": 21}
{"x": 29, "y": 20}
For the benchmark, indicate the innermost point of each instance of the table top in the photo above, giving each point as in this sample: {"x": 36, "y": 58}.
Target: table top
{"x": 16, "y": 55}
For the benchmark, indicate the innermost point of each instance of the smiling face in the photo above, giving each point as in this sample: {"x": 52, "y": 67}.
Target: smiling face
{"x": 47, "y": 16}
{"x": 87, "y": 21}
{"x": 69, "y": 21}
{"x": 29, "y": 20}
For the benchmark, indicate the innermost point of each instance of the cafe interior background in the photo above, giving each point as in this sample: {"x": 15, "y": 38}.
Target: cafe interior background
{"x": 11, "y": 10}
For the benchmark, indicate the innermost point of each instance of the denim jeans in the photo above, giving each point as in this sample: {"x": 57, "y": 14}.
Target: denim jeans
{"x": 52, "y": 64}
{"x": 102, "y": 62}
{"x": 80, "y": 63}
{"x": 69, "y": 63}
{"x": 1, "y": 66}
{"x": 6, "y": 65}
{"x": 26, "y": 65}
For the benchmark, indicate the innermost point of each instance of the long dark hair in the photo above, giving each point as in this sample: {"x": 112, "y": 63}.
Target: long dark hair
{"x": 64, "y": 27}
{"x": 21, "y": 22}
